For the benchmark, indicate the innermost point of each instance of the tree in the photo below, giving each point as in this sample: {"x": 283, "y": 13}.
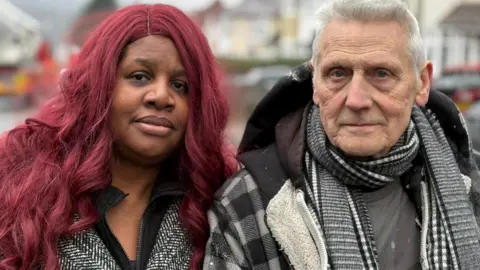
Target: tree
{"x": 89, "y": 18}
{"x": 96, "y": 5}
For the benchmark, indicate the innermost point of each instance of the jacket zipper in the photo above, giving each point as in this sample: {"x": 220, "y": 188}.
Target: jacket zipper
{"x": 312, "y": 227}
{"x": 140, "y": 235}
{"x": 110, "y": 231}
{"x": 425, "y": 212}
{"x": 425, "y": 221}
{"x": 139, "y": 243}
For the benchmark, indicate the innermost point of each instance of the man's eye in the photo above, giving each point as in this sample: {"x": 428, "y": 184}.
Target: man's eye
{"x": 337, "y": 73}
{"x": 381, "y": 73}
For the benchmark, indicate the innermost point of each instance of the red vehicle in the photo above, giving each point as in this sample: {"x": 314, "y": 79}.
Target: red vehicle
{"x": 461, "y": 83}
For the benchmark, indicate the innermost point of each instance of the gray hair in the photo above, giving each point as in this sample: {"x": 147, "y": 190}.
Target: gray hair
{"x": 372, "y": 10}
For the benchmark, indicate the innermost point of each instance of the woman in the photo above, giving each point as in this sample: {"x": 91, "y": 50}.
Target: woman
{"x": 119, "y": 169}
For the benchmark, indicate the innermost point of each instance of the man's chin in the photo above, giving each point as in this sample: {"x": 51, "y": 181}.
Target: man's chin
{"x": 362, "y": 150}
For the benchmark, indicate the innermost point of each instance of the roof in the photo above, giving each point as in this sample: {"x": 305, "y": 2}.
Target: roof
{"x": 247, "y": 8}
{"x": 214, "y": 8}
{"x": 85, "y": 24}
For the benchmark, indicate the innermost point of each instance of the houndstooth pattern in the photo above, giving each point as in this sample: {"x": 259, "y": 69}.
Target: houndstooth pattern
{"x": 85, "y": 251}
{"x": 337, "y": 205}
{"x": 378, "y": 172}
{"x": 347, "y": 242}
{"x": 172, "y": 250}
{"x": 457, "y": 244}
{"x": 349, "y": 238}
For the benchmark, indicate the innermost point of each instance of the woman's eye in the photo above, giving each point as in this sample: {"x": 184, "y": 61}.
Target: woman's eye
{"x": 179, "y": 86}
{"x": 139, "y": 77}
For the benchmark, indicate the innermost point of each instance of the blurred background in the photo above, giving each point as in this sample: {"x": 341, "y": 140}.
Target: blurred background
{"x": 255, "y": 42}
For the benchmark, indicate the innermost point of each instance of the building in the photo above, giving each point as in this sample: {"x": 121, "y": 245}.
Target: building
{"x": 262, "y": 29}
{"x": 307, "y": 24}
{"x": 248, "y": 30}
{"x": 450, "y": 29}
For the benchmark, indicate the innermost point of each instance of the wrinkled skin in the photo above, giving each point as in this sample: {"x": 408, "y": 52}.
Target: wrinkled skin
{"x": 365, "y": 85}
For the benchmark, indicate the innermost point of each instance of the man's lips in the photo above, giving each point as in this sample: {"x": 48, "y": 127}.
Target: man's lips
{"x": 363, "y": 127}
{"x": 359, "y": 124}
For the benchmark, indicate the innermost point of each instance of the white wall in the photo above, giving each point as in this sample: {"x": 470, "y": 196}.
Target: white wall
{"x": 434, "y": 11}
{"x": 444, "y": 46}
{"x": 306, "y": 25}
{"x": 450, "y": 47}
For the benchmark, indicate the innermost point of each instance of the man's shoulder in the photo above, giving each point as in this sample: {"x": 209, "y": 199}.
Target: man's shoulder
{"x": 261, "y": 175}
{"x": 239, "y": 184}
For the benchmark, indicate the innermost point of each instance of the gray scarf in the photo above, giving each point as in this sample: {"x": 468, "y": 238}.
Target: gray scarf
{"x": 335, "y": 185}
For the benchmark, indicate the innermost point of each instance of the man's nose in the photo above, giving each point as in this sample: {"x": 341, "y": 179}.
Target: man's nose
{"x": 358, "y": 96}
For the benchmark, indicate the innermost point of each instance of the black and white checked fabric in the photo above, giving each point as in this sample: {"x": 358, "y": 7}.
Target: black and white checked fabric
{"x": 453, "y": 231}
{"x": 172, "y": 250}
{"x": 239, "y": 237}
{"x": 338, "y": 204}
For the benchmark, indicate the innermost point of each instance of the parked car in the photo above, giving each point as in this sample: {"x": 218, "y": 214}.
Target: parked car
{"x": 461, "y": 83}
{"x": 257, "y": 82}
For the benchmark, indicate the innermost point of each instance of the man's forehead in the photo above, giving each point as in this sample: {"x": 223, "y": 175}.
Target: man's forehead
{"x": 363, "y": 38}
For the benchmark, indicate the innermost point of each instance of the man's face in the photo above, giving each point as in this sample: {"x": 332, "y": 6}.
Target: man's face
{"x": 365, "y": 85}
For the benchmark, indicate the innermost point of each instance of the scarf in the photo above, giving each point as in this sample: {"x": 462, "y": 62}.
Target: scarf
{"x": 334, "y": 195}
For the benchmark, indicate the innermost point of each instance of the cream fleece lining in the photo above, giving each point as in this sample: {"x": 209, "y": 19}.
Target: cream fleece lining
{"x": 289, "y": 230}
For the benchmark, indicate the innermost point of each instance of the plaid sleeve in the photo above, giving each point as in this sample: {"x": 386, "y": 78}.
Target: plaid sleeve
{"x": 223, "y": 250}
{"x": 240, "y": 238}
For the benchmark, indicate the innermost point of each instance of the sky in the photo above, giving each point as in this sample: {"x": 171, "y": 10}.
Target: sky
{"x": 57, "y": 15}
{"x": 186, "y": 5}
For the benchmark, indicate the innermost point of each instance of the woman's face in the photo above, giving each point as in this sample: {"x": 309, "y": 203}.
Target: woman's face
{"x": 150, "y": 102}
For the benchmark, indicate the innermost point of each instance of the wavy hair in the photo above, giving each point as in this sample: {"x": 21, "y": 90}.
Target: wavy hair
{"x": 52, "y": 164}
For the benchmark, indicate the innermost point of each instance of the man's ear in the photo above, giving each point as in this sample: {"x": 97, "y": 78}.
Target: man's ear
{"x": 424, "y": 85}
{"x": 315, "y": 94}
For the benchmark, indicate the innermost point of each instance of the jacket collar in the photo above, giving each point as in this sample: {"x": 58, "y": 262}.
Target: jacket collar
{"x": 169, "y": 186}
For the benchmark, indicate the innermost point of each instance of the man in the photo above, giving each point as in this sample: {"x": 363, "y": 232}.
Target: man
{"x": 375, "y": 173}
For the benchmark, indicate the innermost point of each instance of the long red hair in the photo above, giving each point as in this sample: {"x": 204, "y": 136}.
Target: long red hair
{"x": 54, "y": 162}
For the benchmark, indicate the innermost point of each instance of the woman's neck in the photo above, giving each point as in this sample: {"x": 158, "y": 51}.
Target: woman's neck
{"x": 137, "y": 181}
{"x": 124, "y": 218}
